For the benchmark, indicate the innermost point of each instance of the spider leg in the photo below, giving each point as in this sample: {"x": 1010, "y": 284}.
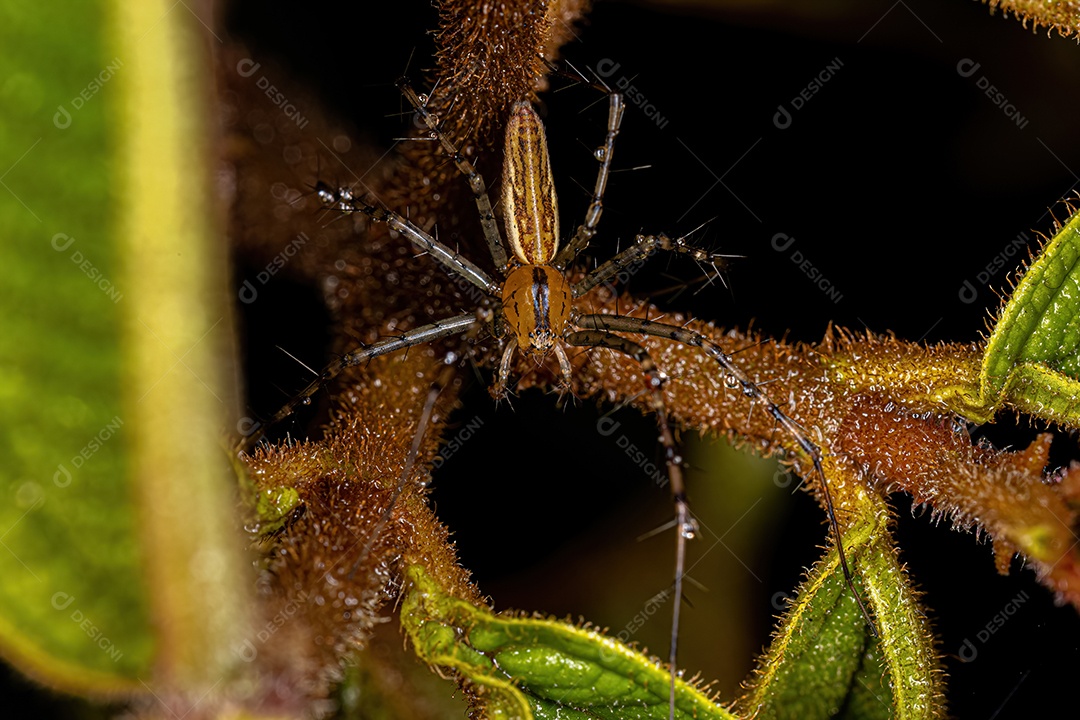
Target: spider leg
{"x": 587, "y": 229}
{"x": 686, "y": 525}
{"x": 736, "y": 377}
{"x": 643, "y": 247}
{"x": 564, "y": 367}
{"x": 498, "y": 391}
{"x": 451, "y": 260}
{"x": 445, "y": 377}
{"x": 416, "y": 336}
{"x": 475, "y": 180}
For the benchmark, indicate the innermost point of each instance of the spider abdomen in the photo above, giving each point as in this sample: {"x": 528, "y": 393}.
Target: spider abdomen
{"x": 536, "y": 304}
{"x": 530, "y": 207}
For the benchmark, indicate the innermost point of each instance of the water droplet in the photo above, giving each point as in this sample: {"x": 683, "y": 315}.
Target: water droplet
{"x": 690, "y": 529}
{"x": 600, "y": 153}
{"x": 305, "y": 401}
{"x": 731, "y": 381}
{"x": 326, "y": 195}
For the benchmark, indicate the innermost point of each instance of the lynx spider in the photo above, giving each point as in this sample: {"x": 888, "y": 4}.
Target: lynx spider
{"x": 537, "y": 300}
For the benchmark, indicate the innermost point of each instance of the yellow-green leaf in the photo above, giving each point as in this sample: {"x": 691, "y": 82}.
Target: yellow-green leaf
{"x": 118, "y": 560}
{"x": 1032, "y": 359}
{"x": 537, "y": 668}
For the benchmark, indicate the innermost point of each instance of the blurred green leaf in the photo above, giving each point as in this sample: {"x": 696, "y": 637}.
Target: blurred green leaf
{"x": 118, "y": 558}
{"x": 73, "y": 610}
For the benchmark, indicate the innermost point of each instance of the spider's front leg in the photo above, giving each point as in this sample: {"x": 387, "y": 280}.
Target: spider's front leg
{"x": 587, "y": 229}
{"x": 644, "y": 247}
{"x": 474, "y": 178}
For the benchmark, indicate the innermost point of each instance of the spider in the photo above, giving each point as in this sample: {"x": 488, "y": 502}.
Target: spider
{"x": 533, "y": 304}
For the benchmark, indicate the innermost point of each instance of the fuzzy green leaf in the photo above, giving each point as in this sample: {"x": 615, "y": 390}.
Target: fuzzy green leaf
{"x": 1032, "y": 359}
{"x": 825, "y": 663}
{"x": 530, "y": 667}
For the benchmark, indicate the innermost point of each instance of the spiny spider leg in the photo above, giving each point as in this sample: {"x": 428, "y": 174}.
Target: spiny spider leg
{"x": 621, "y": 323}
{"x": 475, "y": 180}
{"x": 643, "y": 247}
{"x": 446, "y": 376}
{"x": 450, "y": 259}
{"x": 686, "y": 525}
{"x": 416, "y": 336}
{"x": 587, "y": 229}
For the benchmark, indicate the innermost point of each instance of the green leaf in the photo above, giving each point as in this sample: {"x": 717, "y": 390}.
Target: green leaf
{"x": 824, "y": 662}
{"x": 531, "y": 667}
{"x": 825, "y": 640}
{"x": 73, "y": 611}
{"x": 177, "y": 335}
{"x": 870, "y": 693}
{"x": 118, "y": 558}
{"x": 1032, "y": 359}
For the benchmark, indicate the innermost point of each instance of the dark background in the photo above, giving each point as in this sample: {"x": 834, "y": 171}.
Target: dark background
{"x": 899, "y": 180}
